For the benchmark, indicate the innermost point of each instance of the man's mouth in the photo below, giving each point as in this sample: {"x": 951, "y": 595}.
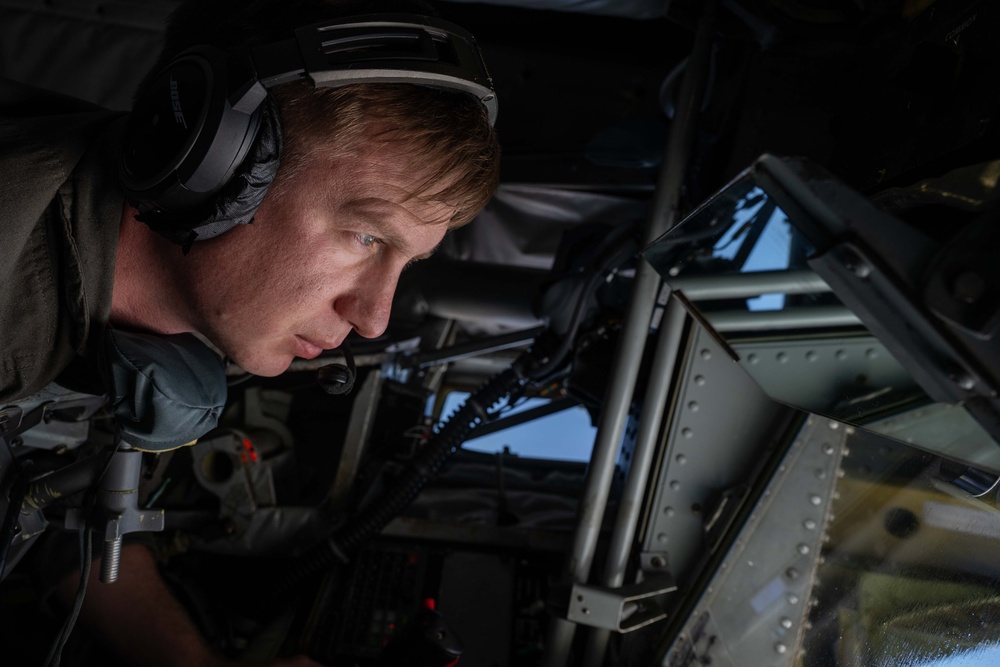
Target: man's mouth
{"x": 306, "y": 349}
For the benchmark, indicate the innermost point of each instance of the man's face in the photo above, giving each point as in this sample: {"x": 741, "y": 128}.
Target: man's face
{"x": 322, "y": 257}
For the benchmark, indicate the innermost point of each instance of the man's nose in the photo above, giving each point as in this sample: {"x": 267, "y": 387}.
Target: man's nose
{"x": 368, "y": 308}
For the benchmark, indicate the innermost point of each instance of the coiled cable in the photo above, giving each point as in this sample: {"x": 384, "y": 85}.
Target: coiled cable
{"x": 425, "y": 465}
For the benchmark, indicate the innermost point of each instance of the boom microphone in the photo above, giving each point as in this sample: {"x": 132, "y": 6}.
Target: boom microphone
{"x": 337, "y": 378}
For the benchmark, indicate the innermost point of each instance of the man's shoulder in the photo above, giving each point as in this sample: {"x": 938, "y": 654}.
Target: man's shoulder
{"x": 59, "y": 210}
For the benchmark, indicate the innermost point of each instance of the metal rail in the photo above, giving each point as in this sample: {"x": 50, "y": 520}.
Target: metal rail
{"x": 625, "y": 365}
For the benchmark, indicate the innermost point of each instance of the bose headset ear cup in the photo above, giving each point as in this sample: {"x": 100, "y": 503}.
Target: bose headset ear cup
{"x": 184, "y": 140}
{"x": 236, "y": 203}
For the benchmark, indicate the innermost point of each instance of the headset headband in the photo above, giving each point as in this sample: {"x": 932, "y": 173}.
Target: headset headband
{"x": 379, "y": 48}
{"x": 199, "y": 118}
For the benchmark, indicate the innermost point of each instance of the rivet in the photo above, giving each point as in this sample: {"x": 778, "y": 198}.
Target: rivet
{"x": 686, "y": 432}
{"x": 781, "y": 357}
{"x": 675, "y": 485}
{"x": 815, "y": 500}
{"x": 681, "y": 459}
{"x": 803, "y": 549}
{"x": 965, "y": 381}
{"x": 693, "y": 406}
{"x": 699, "y": 380}
{"x": 706, "y": 354}
{"x": 811, "y": 356}
{"x": 780, "y": 648}
{"x": 786, "y": 623}
{"x": 792, "y": 573}
{"x": 809, "y": 524}
{"x": 753, "y": 358}
{"x": 669, "y": 511}
{"x": 840, "y": 355}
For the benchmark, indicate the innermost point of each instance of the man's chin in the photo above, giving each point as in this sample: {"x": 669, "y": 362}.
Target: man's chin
{"x": 264, "y": 367}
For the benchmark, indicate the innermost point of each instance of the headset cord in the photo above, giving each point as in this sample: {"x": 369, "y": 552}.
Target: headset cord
{"x": 87, "y": 557}
{"x": 55, "y": 653}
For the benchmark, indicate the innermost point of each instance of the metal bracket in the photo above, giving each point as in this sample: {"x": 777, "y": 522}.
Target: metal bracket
{"x": 620, "y": 609}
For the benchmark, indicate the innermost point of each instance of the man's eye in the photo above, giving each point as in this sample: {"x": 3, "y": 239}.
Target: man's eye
{"x": 367, "y": 240}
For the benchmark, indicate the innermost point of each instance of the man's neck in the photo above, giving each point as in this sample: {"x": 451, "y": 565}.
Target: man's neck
{"x": 145, "y": 295}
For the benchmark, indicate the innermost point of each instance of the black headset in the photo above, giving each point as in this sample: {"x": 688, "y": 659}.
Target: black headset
{"x": 203, "y": 140}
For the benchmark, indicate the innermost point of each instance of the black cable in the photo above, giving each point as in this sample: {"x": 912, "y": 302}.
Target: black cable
{"x": 610, "y": 259}
{"x": 55, "y": 653}
{"x": 372, "y": 518}
{"x": 534, "y": 364}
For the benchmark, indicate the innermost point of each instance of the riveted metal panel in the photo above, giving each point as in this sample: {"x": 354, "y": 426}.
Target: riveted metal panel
{"x": 857, "y": 380}
{"x": 754, "y": 608}
{"x": 720, "y": 426}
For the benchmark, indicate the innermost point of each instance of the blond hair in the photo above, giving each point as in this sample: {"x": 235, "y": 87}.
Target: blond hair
{"x": 446, "y": 134}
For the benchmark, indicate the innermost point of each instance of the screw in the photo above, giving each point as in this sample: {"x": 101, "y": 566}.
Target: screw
{"x": 856, "y": 265}
{"x": 964, "y": 381}
{"x": 110, "y": 560}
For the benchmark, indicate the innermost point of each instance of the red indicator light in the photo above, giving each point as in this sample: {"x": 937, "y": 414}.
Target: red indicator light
{"x": 253, "y": 455}
{"x": 429, "y": 604}
{"x": 247, "y": 444}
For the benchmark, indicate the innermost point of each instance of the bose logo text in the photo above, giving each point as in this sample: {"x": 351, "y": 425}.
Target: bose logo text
{"x": 175, "y": 102}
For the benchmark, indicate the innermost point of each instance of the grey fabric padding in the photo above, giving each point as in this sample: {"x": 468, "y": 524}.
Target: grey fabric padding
{"x": 166, "y": 391}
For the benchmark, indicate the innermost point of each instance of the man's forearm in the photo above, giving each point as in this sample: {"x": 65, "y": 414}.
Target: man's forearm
{"x": 138, "y": 616}
{"x": 139, "y": 619}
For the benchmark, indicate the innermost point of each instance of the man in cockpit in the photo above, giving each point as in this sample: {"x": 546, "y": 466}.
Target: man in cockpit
{"x": 344, "y": 188}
